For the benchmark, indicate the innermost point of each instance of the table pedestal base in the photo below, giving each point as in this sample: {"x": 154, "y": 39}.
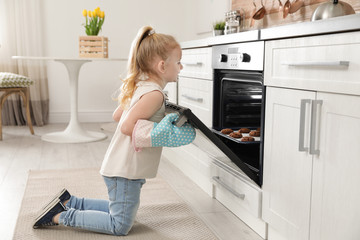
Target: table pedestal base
{"x": 73, "y": 135}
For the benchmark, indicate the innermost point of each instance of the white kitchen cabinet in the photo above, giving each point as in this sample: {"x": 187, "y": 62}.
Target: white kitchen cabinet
{"x": 195, "y": 88}
{"x": 171, "y": 91}
{"x": 287, "y": 172}
{"x": 310, "y": 187}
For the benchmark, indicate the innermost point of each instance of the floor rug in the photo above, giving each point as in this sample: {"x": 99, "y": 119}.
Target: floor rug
{"x": 162, "y": 213}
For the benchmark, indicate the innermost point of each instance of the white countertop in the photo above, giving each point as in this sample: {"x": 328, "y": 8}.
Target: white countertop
{"x": 332, "y": 25}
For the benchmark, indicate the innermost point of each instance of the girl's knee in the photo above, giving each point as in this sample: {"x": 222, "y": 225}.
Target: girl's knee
{"x": 121, "y": 228}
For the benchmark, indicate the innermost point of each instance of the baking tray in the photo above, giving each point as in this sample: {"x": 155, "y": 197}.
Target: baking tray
{"x": 215, "y": 144}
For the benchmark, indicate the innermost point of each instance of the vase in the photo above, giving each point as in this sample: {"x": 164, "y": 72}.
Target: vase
{"x": 218, "y": 32}
{"x": 93, "y": 47}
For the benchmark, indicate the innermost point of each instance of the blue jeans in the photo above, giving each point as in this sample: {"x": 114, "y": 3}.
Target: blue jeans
{"x": 115, "y": 216}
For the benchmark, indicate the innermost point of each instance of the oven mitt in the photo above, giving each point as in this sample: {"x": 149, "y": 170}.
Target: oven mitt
{"x": 162, "y": 134}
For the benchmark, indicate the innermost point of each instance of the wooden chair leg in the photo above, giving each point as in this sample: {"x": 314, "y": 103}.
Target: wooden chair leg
{"x": 26, "y": 97}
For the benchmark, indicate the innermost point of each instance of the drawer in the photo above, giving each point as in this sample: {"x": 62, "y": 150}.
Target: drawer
{"x": 328, "y": 63}
{"x": 197, "y": 63}
{"x": 196, "y": 94}
{"x": 234, "y": 192}
{"x": 194, "y": 163}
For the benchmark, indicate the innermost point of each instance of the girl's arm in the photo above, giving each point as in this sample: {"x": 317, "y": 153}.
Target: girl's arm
{"x": 145, "y": 108}
{"x": 117, "y": 113}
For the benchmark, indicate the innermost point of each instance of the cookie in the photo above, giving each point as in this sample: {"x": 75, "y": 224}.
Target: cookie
{"x": 235, "y": 135}
{"x": 248, "y": 139}
{"x": 254, "y": 133}
{"x": 226, "y": 131}
{"x": 244, "y": 130}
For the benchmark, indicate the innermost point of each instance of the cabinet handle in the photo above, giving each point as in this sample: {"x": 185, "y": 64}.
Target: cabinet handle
{"x": 192, "y": 98}
{"x": 313, "y": 129}
{"x": 302, "y": 147}
{"x": 193, "y": 63}
{"x": 232, "y": 191}
{"x": 318, "y": 64}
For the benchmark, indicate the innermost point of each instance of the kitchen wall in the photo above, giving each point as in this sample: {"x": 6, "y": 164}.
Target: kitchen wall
{"x": 274, "y": 14}
{"x": 62, "y": 25}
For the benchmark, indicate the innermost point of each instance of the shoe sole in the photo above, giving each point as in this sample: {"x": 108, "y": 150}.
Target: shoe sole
{"x": 57, "y": 196}
{"x": 46, "y": 210}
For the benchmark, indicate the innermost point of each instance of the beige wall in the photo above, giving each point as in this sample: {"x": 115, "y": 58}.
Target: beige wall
{"x": 62, "y": 23}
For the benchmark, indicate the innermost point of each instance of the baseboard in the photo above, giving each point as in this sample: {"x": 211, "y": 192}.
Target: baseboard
{"x": 64, "y": 117}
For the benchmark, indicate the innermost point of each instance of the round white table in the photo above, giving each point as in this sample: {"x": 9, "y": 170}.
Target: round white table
{"x": 74, "y": 132}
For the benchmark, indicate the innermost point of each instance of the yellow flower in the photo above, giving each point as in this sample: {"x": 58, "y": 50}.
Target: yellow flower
{"x": 102, "y": 14}
{"x": 97, "y": 10}
{"x": 94, "y": 21}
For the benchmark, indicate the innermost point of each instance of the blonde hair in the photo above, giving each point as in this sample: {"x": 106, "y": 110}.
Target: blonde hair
{"x": 146, "y": 46}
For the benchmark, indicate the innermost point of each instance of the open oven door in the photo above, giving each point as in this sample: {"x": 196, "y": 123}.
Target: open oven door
{"x": 209, "y": 142}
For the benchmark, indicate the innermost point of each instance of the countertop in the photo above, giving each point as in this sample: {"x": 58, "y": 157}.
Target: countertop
{"x": 332, "y": 25}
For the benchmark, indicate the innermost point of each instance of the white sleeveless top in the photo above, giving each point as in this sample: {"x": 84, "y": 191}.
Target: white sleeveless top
{"x": 120, "y": 159}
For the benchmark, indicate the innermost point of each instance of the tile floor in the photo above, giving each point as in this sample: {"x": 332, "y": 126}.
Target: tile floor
{"x": 20, "y": 151}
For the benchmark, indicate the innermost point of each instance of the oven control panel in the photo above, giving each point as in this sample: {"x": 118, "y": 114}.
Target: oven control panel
{"x": 241, "y": 56}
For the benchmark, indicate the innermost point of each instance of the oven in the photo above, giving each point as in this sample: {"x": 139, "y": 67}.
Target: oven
{"x": 238, "y": 102}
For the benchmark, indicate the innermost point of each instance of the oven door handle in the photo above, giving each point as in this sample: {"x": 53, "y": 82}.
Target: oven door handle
{"x": 242, "y": 80}
{"x": 224, "y": 185}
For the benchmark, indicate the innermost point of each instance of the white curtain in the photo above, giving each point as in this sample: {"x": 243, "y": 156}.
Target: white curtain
{"x": 20, "y": 34}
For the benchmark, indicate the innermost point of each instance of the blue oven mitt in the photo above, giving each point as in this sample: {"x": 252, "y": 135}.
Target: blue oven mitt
{"x": 162, "y": 134}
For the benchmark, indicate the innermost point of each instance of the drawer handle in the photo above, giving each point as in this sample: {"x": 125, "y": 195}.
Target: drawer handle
{"x": 192, "y": 63}
{"x": 313, "y": 129}
{"x": 318, "y": 64}
{"x": 303, "y": 103}
{"x": 221, "y": 183}
{"x": 200, "y": 100}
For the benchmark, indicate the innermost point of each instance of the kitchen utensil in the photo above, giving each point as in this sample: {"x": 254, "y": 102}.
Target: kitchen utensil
{"x": 260, "y": 13}
{"x": 287, "y": 6}
{"x": 252, "y": 21}
{"x": 296, "y": 5}
{"x": 280, "y": 6}
{"x": 331, "y": 9}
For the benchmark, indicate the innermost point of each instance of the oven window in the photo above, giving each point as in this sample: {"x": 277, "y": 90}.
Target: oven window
{"x": 240, "y": 103}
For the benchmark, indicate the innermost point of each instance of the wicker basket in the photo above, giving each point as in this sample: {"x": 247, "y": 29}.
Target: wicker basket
{"x": 93, "y": 47}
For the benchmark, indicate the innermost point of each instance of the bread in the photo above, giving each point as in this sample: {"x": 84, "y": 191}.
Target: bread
{"x": 248, "y": 139}
{"x": 244, "y": 130}
{"x": 235, "y": 135}
{"x": 226, "y": 131}
{"x": 255, "y": 133}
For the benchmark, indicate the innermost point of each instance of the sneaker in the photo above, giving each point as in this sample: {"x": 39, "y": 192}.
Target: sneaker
{"x": 46, "y": 216}
{"x": 63, "y": 195}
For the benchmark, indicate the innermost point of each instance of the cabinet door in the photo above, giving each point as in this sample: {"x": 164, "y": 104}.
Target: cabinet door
{"x": 196, "y": 94}
{"x": 171, "y": 91}
{"x": 335, "y": 207}
{"x": 287, "y": 172}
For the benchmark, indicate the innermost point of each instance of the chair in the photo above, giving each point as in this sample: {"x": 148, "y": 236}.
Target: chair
{"x": 13, "y": 83}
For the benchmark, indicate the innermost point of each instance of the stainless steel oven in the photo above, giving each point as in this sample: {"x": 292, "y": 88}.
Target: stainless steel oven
{"x": 239, "y": 100}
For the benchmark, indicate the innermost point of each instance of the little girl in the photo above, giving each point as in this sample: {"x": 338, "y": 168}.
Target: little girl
{"x": 153, "y": 62}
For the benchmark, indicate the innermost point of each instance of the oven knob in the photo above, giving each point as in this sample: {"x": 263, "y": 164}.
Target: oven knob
{"x": 223, "y": 58}
{"x": 246, "y": 57}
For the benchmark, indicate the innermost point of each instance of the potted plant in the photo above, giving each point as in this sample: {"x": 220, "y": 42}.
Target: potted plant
{"x": 219, "y": 27}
